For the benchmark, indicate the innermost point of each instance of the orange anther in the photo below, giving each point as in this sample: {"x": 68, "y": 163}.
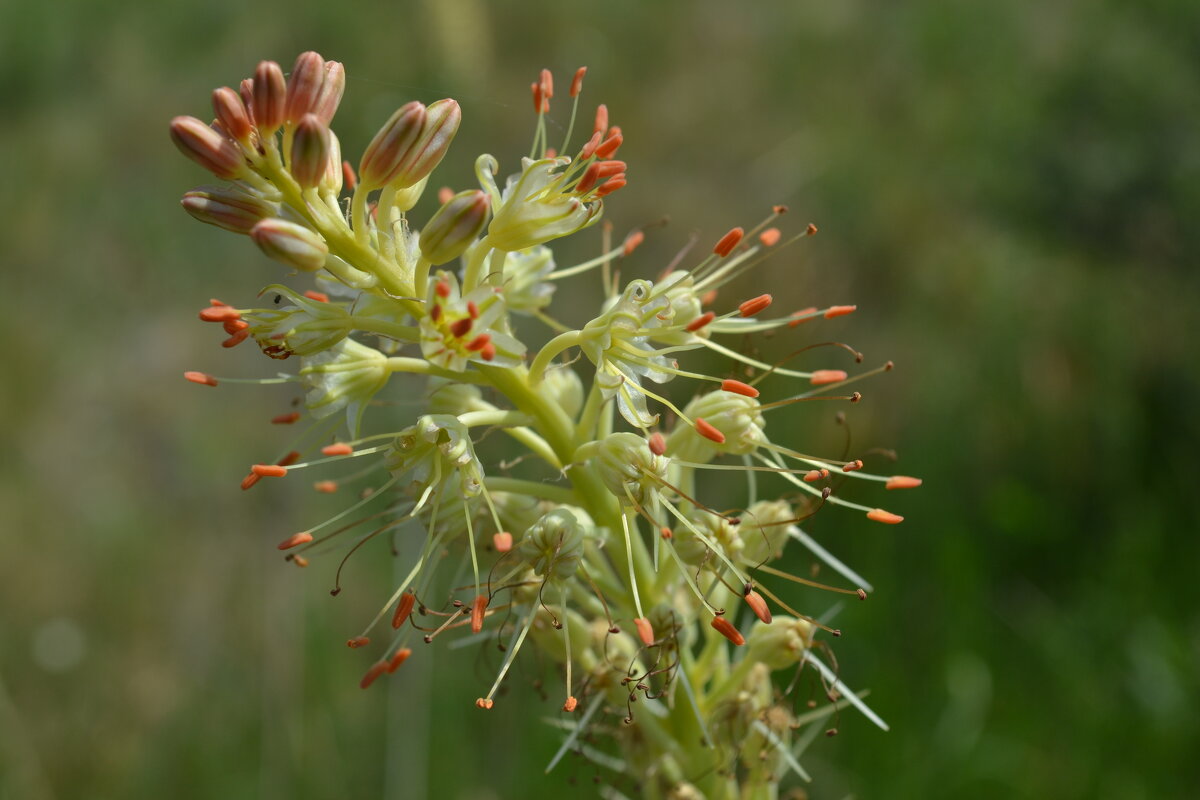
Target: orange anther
{"x": 737, "y": 387}
{"x": 357, "y": 641}
{"x": 729, "y": 241}
{"x": 657, "y": 443}
{"x": 814, "y": 475}
{"x": 291, "y": 458}
{"x": 445, "y": 195}
{"x": 442, "y": 289}
{"x": 399, "y": 658}
{"x": 320, "y": 297}
{"x": 810, "y": 230}
{"x": 601, "y": 123}
{"x": 337, "y": 449}
{"x": 326, "y": 487}
{"x": 502, "y": 541}
{"x": 236, "y": 339}
{"x": 590, "y": 146}
{"x": 705, "y": 429}
{"x": 488, "y": 352}
{"x": 212, "y": 301}
{"x": 484, "y": 703}
{"x": 219, "y": 314}
{"x": 377, "y": 669}
{"x": 550, "y": 152}
{"x": 295, "y": 540}
{"x": 577, "y": 81}
{"x": 779, "y": 210}
{"x": 645, "y": 630}
{"x": 902, "y": 482}
{"x": 202, "y": 378}
{"x": 269, "y": 470}
{"x": 700, "y": 321}
{"x": 708, "y": 298}
{"x": 665, "y": 532}
{"x": 758, "y": 606}
{"x": 348, "y": 176}
{"x": 802, "y": 316}
{"x": 769, "y": 237}
{"x": 853, "y": 466}
{"x": 300, "y": 561}
{"x": 435, "y": 313}
{"x": 547, "y": 81}
{"x": 879, "y": 515}
{"x": 754, "y": 305}
{"x": 611, "y": 185}
{"x": 461, "y": 327}
{"x": 249, "y": 481}
{"x": 571, "y": 704}
{"x": 823, "y": 376}
{"x": 632, "y": 242}
{"x": 479, "y": 605}
{"x": 285, "y": 419}
{"x": 479, "y": 342}
{"x": 472, "y": 309}
{"x": 403, "y": 608}
{"x": 232, "y": 326}
{"x": 539, "y": 98}
{"x": 609, "y": 146}
{"x": 726, "y": 629}
{"x": 839, "y": 311}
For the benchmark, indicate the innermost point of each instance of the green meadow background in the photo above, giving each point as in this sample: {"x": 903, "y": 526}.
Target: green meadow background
{"x": 1008, "y": 191}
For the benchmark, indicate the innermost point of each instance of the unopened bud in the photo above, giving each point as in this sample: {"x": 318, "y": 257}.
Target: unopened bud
{"x": 207, "y": 148}
{"x": 332, "y": 88}
{"x": 303, "y": 86}
{"x": 290, "y": 244}
{"x": 227, "y": 208}
{"x": 455, "y": 226}
{"x": 385, "y": 154}
{"x": 270, "y": 90}
{"x": 310, "y": 151}
{"x": 441, "y": 124}
{"x": 232, "y": 113}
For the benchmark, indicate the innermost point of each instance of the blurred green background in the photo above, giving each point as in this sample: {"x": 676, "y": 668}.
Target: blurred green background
{"x": 1008, "y": 191}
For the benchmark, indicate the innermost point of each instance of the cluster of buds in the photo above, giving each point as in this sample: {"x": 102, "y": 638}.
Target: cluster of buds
{"x": 592, "y": 543}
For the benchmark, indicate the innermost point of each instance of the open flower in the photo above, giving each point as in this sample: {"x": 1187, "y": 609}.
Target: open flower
{"x": 539, "y": 204}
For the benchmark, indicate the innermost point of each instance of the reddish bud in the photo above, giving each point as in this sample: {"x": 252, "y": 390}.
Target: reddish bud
{"x": 755, "y": 305}
{"x": 227, "y": 207}
{"x": 726, "y": 629}
{"x": 479, "y": 605}
{"x": 295, "y": 540}
{"x": 737, "y": 387}
{"x": 403, "y": 609}
{"x": 823, "y": 376}
{"x": 879, "y": 515}
{"x": 705, "y": 429}
{"x": 270, "y": 93}
{"x": 202, "y": 378}
{"x": 207, "y": 147}
{"x": 729, "y": 241}
{"x": 902, "y": 482}
{"x": 645, "y": 630}
{"x": 502, "y": 541}
{"x": 384, "y": 157}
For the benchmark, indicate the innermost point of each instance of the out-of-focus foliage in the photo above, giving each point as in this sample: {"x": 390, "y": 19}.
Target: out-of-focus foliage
{"x": 1007, "y": 190}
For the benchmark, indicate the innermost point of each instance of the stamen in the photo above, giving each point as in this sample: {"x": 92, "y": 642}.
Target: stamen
{"x": 571, "y": 704}
{"x": 399, "y": 658}
{"x": 879, "y": 515}
{"x": 445, "y": 195}
{"x": 609, "y": 146}
{"x": 755, "y": 305}
{"x": 737, "y": 387}
{"x": 726, "y": 629}
{"x": 814, "y": 475}
{"x": 547, "y": 82}
{"x": 202, "y": 378}
{"x": 729, "y": 241}
{"x": 590, "y": 146}
{"x": 269, "y": 470}
{"x": 802, "y": 316}
{"x": 289, "y": 459}
{"x": 479, "y": 342}
{"x": 295, "y": 540}
{"x": 326, "y": 487}
{"x": 601, "y": 124}
{"x": 611, "y": 185}
{"x": 821, "y": 377}
{"x": 902, "y": 482}
{"x": 477, "y": 608}
{"x": 645, "y": 630}
{"x": 337, "y": 449}
{"x": 657, "y": 443}
{"x": 377, "y": 669}
{"x": 632, "y": 242}
{"x": 220, "y": 314}
{"x": 285, "y": 419}
{"x": 502, "y": 541}
{"x": 705, "y": 429}
{"x": 249, "y": 481}
{"x": 769, "y": 237}
{"x": 758, "y": 605}
{"x": 856, "y": 464}
{"x": 484, "y": 703}
{"x": 839, "y": 311}
{"x": 300, "y": 561}
{"x": 404, "y": 609}
{"x": 442, "y": 289}
{"x": 577, "y": 81}
{"x": 358, "y": 641}
{"x": 700, "y": 321}
{"x": 349, "y": 178}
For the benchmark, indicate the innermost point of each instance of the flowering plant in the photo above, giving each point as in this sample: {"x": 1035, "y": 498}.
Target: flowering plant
{"x": 598, "y": 550}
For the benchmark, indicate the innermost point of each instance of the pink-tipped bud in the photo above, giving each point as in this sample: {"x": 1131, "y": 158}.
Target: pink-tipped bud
{"x": 601, "y": 124}
{"x": 270, "y": 93}
{"x": 502, "y": 541}
{"x": 706, "y": 429}
{"x": 455, "y": 226}
{"x": 879, "y": 515}
{"x": 478, "y": 606}
{"x": 207, "y": 147}
{"x": 769, "y": 237}
{"x": 645, "y": 630}
{"x": 303, "y": 86}
{"x": 758, "y": 606}
{"x": 902, "y": 482}
{"x": 577, "y": 81}
{"x": 657, "y": 443}
{"x": 823, "y": 376}
{"x": 231, "y": 113}
{"x": 726, "y": 629}
{"x": 403, "y": 609}
{"x": 332, "y": 89}
{"x": 727, "y": 242}
{"x": 288, "y": 243}
{"x": 227, "y": 207}
{"x": 310, "y": 151}
{"x": 755, "y": 305}
{"x": 737, "y": 387}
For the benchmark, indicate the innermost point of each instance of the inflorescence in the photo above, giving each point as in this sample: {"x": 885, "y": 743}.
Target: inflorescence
{"x": 592, "y": 543}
